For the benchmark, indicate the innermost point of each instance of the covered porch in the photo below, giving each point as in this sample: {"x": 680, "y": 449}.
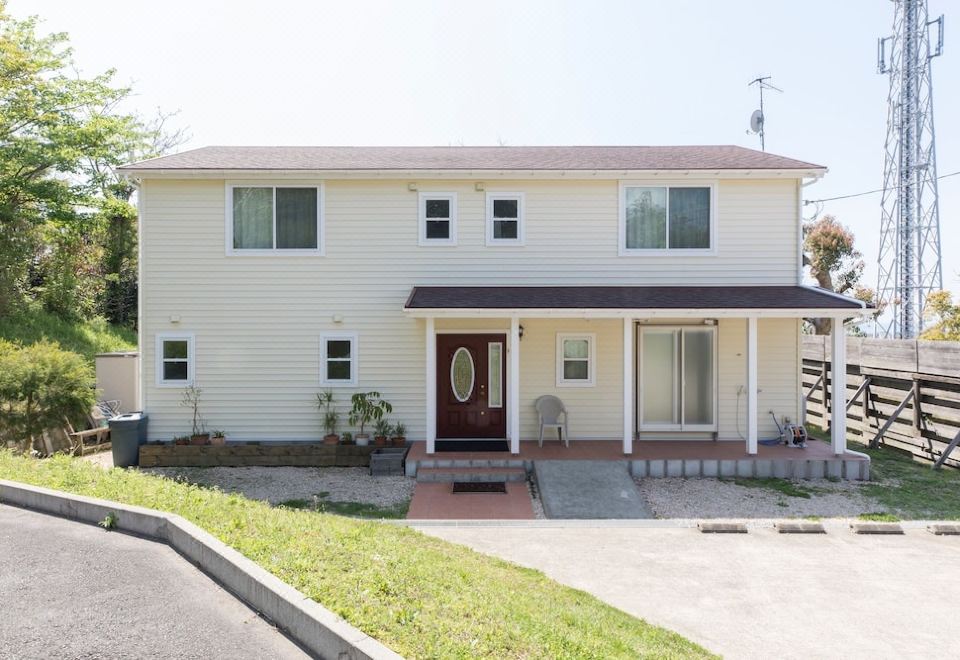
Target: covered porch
{"x": 740, "y": 315}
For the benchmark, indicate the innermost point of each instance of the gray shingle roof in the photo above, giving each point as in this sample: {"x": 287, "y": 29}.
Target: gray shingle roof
{"x": 625, "y": 297}
{"x": 716, "y": 157}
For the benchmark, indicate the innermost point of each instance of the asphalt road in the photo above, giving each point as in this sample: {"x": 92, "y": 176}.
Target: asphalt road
{"x": 757, "y": 595}
{"x": 69, "y": 590}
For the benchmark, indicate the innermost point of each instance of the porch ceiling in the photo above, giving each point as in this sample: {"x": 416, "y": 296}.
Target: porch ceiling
{"x": 632, "y": 300}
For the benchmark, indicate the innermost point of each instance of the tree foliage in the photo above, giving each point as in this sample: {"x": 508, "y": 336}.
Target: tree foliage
{"x": 41, "y": 385}
{"x": 945, "y": 316}
{"x": 65, "y": 220}
{"x": 834, "y": 262}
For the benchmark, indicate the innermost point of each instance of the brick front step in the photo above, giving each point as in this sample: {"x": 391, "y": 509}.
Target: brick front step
{"x": 450, "y": 474}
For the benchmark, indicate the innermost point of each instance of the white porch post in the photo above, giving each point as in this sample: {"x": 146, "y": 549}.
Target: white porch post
{"x": 838, "y": 387}
{"x": 431, "y": 421}
{"x": 513, "y": 387}
{"x": 752, "y": 385}
{"x": 628, "y": 394}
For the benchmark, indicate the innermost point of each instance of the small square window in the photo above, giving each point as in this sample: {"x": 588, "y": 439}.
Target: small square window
{"x": 174, "y": 360}
{"x": 505, "y": 218}
{"x": 438, "y": 219}
{"x": 575, "y": 360}
{"x": 338, "y": 359}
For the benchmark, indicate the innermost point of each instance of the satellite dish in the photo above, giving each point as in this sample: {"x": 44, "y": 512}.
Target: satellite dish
{"x": 756, "y": 121}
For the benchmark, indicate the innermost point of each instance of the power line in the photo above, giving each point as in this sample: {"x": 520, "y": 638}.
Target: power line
{"x": 868, "y": 192}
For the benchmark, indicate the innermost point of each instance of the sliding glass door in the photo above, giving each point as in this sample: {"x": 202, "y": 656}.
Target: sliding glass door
{"x": 677, "y": 389}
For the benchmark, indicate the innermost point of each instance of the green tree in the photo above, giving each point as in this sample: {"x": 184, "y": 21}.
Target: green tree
{"x": 61, "y": 138}
{"x": 41, "y": 385}
{"x": 945, "y": 315}
{"x": 834, "y": 263}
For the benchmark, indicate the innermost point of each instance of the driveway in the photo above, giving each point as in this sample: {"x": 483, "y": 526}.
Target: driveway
{"x": 756, "y": 595}
{"x": 71, "y": 590}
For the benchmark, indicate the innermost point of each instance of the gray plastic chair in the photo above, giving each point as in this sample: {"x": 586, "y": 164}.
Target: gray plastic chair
{"x": 550, "y": 408}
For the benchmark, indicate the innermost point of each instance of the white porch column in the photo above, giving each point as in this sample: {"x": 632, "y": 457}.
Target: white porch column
{"x": 628, "y": 391}
{"x": 431, "y": 421}
{"x": 752, "y": 385}
{"x": 838, "y": 387}
{"x": 513, "y": 387}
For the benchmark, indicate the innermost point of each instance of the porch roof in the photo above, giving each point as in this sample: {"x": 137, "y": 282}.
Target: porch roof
{"x": 790, "y": 299}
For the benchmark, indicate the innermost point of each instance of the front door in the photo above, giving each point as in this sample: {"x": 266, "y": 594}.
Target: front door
{"x": 471, "y": 386}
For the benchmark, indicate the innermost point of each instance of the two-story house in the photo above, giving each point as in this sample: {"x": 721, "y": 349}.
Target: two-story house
{"x": 657, "y": 291}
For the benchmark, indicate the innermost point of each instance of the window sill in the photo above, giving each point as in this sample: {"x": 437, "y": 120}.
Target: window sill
{"x": 436, "y": 243}
{"x": 294, "y": 252}
{"x": 680, "y": 252}
{"x": 174, "y": 384}
{"x": 574, "y": 383}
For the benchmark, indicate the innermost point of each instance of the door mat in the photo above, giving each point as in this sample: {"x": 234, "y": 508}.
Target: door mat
{"x": 479, "y": 487}
{"x": 471, "y": 445}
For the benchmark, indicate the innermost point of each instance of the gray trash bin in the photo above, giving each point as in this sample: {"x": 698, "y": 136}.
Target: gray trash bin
{"x": 127, "y": 433}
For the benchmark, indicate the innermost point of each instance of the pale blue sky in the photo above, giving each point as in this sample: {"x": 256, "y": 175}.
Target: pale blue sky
{"x": 525, "y": 72}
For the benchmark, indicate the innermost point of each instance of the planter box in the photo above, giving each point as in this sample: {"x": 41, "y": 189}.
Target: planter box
{"x": 302, "y": 454}
{"x": 388, "y": 461}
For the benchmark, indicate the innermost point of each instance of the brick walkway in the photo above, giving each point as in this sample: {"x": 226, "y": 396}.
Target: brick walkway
{"x": 436, "y": 501}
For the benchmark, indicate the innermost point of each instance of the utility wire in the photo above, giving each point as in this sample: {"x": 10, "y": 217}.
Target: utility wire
{"x": 869, "y": 192}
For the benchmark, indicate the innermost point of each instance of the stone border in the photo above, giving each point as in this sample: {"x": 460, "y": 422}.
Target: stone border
{"x": 314, "y": 627}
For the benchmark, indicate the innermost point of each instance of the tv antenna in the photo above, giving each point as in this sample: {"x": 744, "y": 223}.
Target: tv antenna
{"x": 758, "y": 119}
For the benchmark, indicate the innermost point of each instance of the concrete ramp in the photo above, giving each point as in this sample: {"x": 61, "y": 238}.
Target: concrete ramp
{"x": 589, "y": 490}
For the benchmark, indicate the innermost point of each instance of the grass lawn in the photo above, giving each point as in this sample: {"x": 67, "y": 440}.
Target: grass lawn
{"x": 84, "y": 337}
{"x": 354, "y": 509}
{"x": 908, "y": 489}
{"x": 423, "y": 597}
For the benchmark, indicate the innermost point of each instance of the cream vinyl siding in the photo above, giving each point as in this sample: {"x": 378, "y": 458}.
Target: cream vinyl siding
{"x": 257, "y": 320}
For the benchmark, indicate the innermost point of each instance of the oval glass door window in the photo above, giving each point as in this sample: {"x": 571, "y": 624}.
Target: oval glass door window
{"x": 462, "y": 374}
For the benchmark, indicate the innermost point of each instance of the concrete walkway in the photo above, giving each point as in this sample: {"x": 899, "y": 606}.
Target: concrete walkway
{"x": 589, "y": 490}
{"x": 756, "y": 595}
{"x": 71, "y": 590}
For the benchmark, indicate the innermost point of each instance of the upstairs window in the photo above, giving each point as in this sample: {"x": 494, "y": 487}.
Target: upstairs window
{"x": 438, "y": 219}
{"x": 667, "y": 218}
{"x": 275, "y": 219}
{"x": 505, "y": 218}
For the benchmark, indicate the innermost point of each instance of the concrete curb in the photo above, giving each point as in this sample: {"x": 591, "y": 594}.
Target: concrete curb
{"x": 314, "y": 627}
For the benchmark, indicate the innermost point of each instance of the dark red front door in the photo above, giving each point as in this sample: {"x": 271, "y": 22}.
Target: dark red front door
{"x": 471, "y": 386}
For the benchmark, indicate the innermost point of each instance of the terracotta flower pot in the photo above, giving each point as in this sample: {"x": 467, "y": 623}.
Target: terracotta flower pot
{"x": 331, "y": 439}
{"x": 380, "y": 440}
{"x": 181, "y": 441}
{"x": 399, "y": 441}
{"x": 218, "y": 440}
{"x": 201, "y": 439}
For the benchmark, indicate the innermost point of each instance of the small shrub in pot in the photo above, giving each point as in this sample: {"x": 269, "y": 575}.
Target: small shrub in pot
{"x": 399, "y": 438}
{"x": 331, "y": 418}
{"x": 381, "y": 432}
{"x": 367, "y": 407}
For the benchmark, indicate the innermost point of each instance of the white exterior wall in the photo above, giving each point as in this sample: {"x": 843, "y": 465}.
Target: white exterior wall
{"x": 257, "y": 320}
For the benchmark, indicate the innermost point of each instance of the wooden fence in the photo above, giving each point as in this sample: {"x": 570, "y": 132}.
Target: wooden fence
{"x": 902, "y": 393}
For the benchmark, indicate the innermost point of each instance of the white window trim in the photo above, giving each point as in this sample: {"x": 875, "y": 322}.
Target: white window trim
{"x": 681, "y": 426}
{"x": 521, "y": 223}
{"x": 591, "y": 359}
{"x": 422, "y": 239}
{"x": 624, "y": 251}
{"x": 273, "y": 252}
{"x": 353, "y": 338}
{"x": 161, "y": 337}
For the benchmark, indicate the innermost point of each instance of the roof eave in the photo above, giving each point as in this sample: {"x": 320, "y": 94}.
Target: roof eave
{"x": 639, "y": 313}
{"x": 598, "y": 174}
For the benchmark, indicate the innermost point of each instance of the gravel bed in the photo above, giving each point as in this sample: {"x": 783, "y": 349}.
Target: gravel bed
{"x": 714, "y": 498}
{"x": 279, "y": 484}
{"x": 535, "y": 499}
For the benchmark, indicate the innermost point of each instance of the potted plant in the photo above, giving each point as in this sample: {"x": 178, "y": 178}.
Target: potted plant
{"x": 191, "y": 399}
{"x": 331, "y": 418}
{"x": 381, "y": 432}
{"x": 182, "y": 440}
{"x": 347, "y": 438}
{"x": 399, "y": 438}
{"x": 367, "y": 407}
{"x": 218, "y": 437}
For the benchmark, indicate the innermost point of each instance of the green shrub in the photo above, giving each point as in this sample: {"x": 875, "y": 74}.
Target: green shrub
{"x": 41, "y": 385}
